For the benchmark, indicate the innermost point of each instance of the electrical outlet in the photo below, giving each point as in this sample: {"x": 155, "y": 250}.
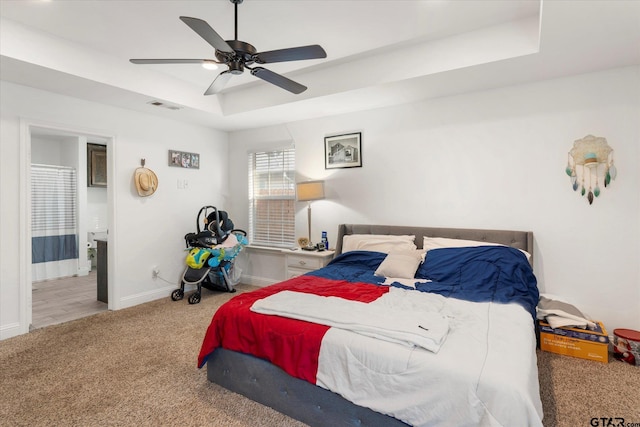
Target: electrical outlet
{"x": 155, "y": 271}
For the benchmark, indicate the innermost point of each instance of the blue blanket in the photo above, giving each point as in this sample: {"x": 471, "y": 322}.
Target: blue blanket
{"x": 354, "y": 266}
{"x": 479, "y": 274}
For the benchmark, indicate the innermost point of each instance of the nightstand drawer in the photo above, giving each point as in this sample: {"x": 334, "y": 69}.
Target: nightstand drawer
{"x": 304, "y": 262}
{"x": 301, "y": 262}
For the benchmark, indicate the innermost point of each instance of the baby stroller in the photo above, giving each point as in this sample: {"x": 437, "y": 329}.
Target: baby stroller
{"x": 212, "y": 253}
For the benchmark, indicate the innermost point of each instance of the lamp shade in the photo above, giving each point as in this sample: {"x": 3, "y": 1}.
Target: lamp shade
{"x": 310, "y": 190}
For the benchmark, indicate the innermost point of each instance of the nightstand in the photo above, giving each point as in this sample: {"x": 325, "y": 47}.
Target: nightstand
{"x": 299, "y": 262}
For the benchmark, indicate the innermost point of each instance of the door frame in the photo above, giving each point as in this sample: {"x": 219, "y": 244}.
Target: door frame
{"x": 24, "y": 273}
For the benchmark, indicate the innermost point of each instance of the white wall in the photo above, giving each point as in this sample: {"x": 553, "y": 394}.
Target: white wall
{"x": 492, "y": 159}
{"x": 148, "y": 231}
{"x": 57, "y": 151}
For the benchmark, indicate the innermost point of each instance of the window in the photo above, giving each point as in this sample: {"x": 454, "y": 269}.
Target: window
{"x": 272, "y": 197}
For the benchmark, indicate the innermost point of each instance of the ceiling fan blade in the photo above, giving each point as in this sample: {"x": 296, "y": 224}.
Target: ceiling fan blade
{"x": 219, "y": 83}
{"x": 278, "y": 80}
{"x": 291, "y": 54}
{"x": 171, "y": 61}
{"x": 205, "y": 31}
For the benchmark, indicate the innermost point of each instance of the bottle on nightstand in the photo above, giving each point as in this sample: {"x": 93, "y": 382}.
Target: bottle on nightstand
{"x": 325, "y": 241}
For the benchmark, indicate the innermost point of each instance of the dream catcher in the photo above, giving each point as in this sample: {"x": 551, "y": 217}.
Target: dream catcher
{"x": 590, "y": 162}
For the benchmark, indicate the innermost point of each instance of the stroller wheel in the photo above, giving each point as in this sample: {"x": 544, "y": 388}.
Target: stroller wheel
{"x": 177, "y": 295}
{"x": 194, "y": 298}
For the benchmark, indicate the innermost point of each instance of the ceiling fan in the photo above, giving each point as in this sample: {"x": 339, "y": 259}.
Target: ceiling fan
{"x": 238, "y": 55}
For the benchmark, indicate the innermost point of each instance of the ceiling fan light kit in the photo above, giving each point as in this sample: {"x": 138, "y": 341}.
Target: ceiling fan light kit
{"x": 210, "y": 65}
{"x": 238, "y": 55}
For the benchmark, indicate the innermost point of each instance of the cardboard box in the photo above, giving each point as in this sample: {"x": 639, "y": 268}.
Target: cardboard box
{"x": 582, "y": 343}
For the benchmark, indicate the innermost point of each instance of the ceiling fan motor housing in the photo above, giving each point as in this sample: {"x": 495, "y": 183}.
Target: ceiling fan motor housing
{"x": 244, "y": 53}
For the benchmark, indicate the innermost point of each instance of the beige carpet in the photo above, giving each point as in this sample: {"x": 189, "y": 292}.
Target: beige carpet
{"x": 137, "y": 367}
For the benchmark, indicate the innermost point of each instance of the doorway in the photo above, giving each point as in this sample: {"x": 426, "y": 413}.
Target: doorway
{"x": 59, "y": 287}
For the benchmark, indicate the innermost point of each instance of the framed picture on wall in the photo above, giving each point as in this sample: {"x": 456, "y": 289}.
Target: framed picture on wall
{"x": 184, "y": 160}
{"x": 97, "y": 165}
{"x": 343, "y": 151}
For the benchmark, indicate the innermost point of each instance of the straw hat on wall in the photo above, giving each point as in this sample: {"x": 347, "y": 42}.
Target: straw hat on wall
{"x": 146, "y": 181}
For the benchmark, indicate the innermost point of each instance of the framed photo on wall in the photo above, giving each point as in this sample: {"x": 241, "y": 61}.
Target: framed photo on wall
{"x": 343, "y": 151}
{"x": 184, "y": 160}
{"x": 97, "y": 162}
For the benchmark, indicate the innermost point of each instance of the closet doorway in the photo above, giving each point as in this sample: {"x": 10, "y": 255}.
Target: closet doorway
{"x": 70, "y": 205}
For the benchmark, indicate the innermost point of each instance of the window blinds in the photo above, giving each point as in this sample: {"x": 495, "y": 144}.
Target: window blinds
{"x": 272, "y": 197}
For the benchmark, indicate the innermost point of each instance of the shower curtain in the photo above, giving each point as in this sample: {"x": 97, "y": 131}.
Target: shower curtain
{"x": 54, "y": 235}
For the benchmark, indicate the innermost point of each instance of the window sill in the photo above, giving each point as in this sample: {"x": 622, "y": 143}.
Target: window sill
{"x": 264, "y": 248}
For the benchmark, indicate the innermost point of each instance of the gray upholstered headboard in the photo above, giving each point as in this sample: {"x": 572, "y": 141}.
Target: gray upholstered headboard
{"x": 517, "y": 239}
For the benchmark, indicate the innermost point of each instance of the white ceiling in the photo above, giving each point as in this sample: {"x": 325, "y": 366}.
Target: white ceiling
{"x": 379, "y": 53}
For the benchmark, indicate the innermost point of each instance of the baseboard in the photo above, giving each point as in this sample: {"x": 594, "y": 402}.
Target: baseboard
{"x": 257, "y": 281}
{"x": 10, "y": 330}
{"x": 141, "y": 298}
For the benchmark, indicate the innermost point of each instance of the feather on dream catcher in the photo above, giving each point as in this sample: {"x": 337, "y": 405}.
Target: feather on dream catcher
{"x": 590, "y": 162}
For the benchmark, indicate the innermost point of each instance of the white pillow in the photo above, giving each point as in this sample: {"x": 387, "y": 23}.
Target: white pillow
{"x": 402, "y": 265}
{"x": 429, "y": 243}
{"x": 377, "y": 242}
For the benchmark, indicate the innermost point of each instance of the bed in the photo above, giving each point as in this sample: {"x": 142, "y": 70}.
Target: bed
{"x": 481, "y": 371}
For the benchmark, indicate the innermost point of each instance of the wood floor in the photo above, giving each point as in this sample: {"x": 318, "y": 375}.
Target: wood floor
{"x": 62, "y": 300}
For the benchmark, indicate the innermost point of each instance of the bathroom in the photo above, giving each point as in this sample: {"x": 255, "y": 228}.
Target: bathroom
{"x": 69, "y": 207}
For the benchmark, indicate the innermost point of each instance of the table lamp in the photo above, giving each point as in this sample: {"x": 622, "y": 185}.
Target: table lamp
{"x": 309, "y": 191}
